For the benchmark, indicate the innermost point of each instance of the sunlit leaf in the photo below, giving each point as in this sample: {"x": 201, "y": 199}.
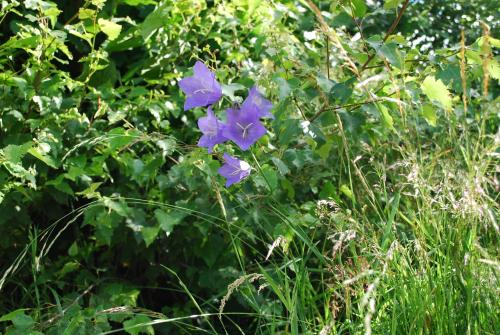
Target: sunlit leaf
{"x": 110, "y": 28}
{"x": 437, "y": 91}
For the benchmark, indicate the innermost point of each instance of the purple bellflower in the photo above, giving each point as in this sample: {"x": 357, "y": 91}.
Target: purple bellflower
{"x": 243, "y": 127}
{"x": 201, "y": 89}
{"x": 256, "y": 101}
{"x": 211, "y": 129}
{"x": 234, "y": 170}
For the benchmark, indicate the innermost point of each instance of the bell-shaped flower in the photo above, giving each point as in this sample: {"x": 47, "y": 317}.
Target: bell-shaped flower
{"x": 234, "y": 170}
{"x": 211, "y": 129}
{"x": 201, "y": 89}
{"x": 243, "y": 127}
{"x": 256, "y": 101}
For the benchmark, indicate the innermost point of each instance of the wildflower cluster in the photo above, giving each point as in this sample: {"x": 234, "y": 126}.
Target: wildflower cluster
{"x": 243, "y": 125}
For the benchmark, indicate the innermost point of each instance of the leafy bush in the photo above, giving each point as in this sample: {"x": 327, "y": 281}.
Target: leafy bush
{"x": 371, "y": 205}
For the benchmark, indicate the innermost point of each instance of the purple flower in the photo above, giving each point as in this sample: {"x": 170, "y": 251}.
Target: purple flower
{"x": 243, "y": 127}
{"x": 201, "y": 89}
{"x": 256, "y": 101}
{"x": 234, "y": 170}
{"x": 211, "y": 129}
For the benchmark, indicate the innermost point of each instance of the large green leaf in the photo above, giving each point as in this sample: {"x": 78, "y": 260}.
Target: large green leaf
{"x": 110, "y": 28}
{"x": 155, "y": 20}
{"x": 437, "y": 91}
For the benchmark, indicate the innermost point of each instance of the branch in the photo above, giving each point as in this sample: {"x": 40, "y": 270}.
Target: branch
{"x": 389, "y": 32}
{"x": 354, "y": 106}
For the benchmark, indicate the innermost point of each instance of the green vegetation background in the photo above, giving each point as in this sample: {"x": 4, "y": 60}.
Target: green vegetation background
{"x": 372, "y": 208}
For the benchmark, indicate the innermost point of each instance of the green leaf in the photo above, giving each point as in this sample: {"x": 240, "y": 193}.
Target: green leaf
{"x": 73, "y": 250}
{"x": 437, "y": 91}
{"x": 212, "y": 249}
{"x": 10, "y": 316}
{"x": 91, "y": 191}
{"x": 139, "y": 324}
{"x": 155, "y": 20}
{"x": 20, "y": 172}
{"x": 282, "y": 167}
{"x": 494, "y": 69}
{"x": 288, "y": 187}
{"x": 390, "y": 4}
{"x": 169, "y": 220}
{"x": 19, "y": 319}
{"x": 230, "y": 89}
{"x": 386, "y": 116}
{"x": 119, "y": 207}
{"x": 98, "y": 3}
{"x": 324, "y": 150}
{"x": 429, "y": 114}
{"x": 68, "y": 268}
{"x": 268, "y": 178}
{"x": 358, "y": 8}
{"x": 110, "y": 28}
{"x": 14, "y": 153}
{"x": 86, "y": 13}
{"x": 149, "y": 234}
{"x": 39, "y": 153}
{"x": 392, "y": 54}
{"x": 139, "y": 2}
{"x": 52, "y": 13}
{"x": 21, "y": 43}
{"x": 284, "y": 88}
{"x": 347, "y": 191}
{"x": 328, "y": 191}
{"x": 289, "y": 131}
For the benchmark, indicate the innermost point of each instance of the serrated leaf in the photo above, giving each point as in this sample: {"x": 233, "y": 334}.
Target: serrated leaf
{"x": 437, "y": 91}
{"x": 494, "y": 69}
{"x": 18, "y": 171}
{"x": 282, "y": 167}
{"x": 110, "y": 28}
{"x": 491, "y": 41}
{"x": 14, "y": 153}
{"x": 91, "y": 191}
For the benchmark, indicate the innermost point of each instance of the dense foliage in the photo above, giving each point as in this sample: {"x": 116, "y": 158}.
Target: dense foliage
{"x": 371, "y": 205}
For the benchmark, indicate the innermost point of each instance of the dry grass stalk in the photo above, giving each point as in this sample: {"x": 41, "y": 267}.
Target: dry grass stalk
{"x": 249, "y": 278}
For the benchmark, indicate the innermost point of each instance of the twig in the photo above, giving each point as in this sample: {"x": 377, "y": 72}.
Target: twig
{"x": 353, "y": 106}
{"x": 327, "y": 59}
{"x": 389, "y": 32}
